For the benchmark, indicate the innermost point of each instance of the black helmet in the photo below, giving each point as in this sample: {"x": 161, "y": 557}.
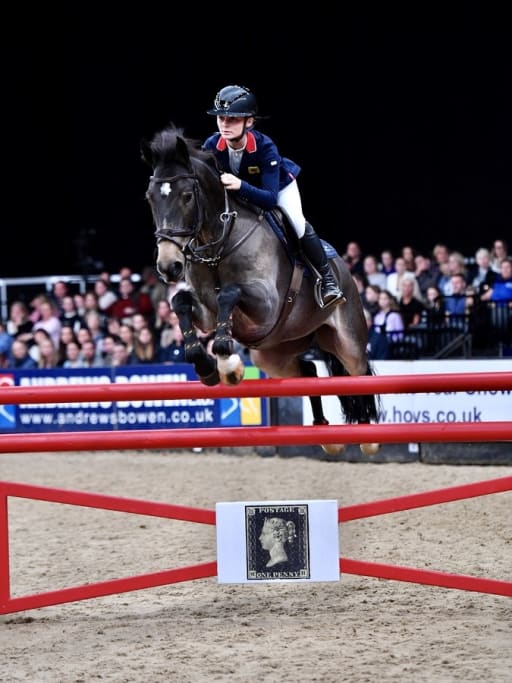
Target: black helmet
{"x": 234, "y": 100}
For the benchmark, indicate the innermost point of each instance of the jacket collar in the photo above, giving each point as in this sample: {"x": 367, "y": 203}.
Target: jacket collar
{"x": 250, "y": 147}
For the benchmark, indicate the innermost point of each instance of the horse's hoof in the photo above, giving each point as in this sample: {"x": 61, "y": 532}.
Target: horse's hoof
{"x": 231, "y": 370}
{"x": 334, "y": 448}
{"x": 369, "y": 448}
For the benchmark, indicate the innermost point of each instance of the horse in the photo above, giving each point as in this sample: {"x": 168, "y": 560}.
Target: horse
{"x": 243, "y": 282}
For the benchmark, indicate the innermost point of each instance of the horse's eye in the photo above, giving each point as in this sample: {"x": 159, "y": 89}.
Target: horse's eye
{"x": 187, "y": 197}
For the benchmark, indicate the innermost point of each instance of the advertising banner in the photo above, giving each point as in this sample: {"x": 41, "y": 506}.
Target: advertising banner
{"x": 137, "y": 414}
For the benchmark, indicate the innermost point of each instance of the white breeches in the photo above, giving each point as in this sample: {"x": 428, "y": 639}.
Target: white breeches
{"x": 290, "y": 203}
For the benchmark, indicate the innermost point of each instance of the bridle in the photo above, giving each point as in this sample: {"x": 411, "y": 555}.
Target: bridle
{"x": 211, "y": 252}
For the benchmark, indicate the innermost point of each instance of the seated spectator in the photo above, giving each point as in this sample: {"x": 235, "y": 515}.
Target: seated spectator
{"x": 73, "y": 356}
{"x": 106, "y": 351}
{"x": 173, "y": 352}
{"x": 144, "y": 350}
{"x": 370, "y": 299}
{"x": 434, "y": 306}
{"x": 49, "y": 321}
{"x": 120, "y": 354}
{"x": 408, "y": 254}
{"x": 91, "y": 358}
{"x": 440, "y": 254}
{"x": 456, "y": 266}
{"x": 130, "y": 302}
{"x": 163, "y": 323}
{"x": 48, "y": 353}
{"x": 501, "y": 290}
{"x": 425, "y": 274}
{"x": 19, "y": 324}
{"x": 482, "y": 275}
{"x": 410, "y": 307}
{"x": 458, "y": 304}
{"x": 353, "y": 257}
{"x": 499, "y": 253}
{"x": 153, "y": 286}
{"x": 69, "y": 315}
{"x": 60, "y": 289}
{"x": 105, "y": 296}
{"x": 127, "y": 335}
{"x": 388, "y": 319}
{"x": 20, "y": 358}
{"x": 372, "y": 272}
{"x": 378, "y": 345}
{"x": 394, "y": 280}
{"x": 67, "y": 335}
{"x": 387, "y": 262}
{"x": 5, "y": 343}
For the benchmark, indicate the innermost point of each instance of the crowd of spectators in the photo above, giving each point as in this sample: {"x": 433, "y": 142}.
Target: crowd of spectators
{"x": 133, "y": 323}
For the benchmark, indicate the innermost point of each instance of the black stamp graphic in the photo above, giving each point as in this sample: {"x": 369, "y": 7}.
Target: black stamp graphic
{"x": 277, "y": 542}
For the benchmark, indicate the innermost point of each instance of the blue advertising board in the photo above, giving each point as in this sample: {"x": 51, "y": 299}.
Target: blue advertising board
{"x": 136, "y": 414}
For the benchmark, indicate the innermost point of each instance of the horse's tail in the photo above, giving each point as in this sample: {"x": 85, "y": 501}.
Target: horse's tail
{"x": 357, "y": 409}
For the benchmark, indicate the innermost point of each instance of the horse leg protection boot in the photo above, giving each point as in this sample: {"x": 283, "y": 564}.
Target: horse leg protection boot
{"x": 314, "y": 252}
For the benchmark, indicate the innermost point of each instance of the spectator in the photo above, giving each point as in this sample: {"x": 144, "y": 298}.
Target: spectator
{"x": 19, "y": 324}
{"x": 20, "y": 358}
{"x": 93, "y": 324}
{"x": 387, "y": 262}
{"x": 49, "y": 321}
{"x": 388, "y": 318}
{"x": 501, "y": 291}
{"x": 425, "y": 274}
{"x": 67, "y": 335}
{"x": 408, "y": 254}
{"x": 353, "y": 257}
{"x": 441, "y": 254}
{"x": 5, "y": 343}
{"x": 130, "y": 302}
{"x": 378, "y": 345}
{"x": 174, "y": 352}
{"x": 106, "y": 352}
{"x": 60, "y": 289}
{"x": 73, "y": 356}
{"x": 153, "y": 286}
{"x": 394, "y": 280}
{"x": 91, "y": 357}
{"x": 410, "y": 307}
{"x": 127, "y": 335}
{"x": 458, "y": 304}
{"x": 120, "y": 354}
{"x": 434, "y": 306}
{"x": 163, "y": 323}
{"x": 372, "y": 272}
{"x": 456, "y": 266}
{"x": 105, "y": 296}
{"x": 69, "y": 315}
{"x": 499, "y": 253}
{"x": 48, "y": 353}
{"x": 483, "y": 276}
{"x": 145, "y": 350}
{"x": 371, "y": 299}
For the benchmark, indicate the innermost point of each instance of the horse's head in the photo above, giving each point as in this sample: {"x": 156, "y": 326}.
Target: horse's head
{"x": 180, "y": 170}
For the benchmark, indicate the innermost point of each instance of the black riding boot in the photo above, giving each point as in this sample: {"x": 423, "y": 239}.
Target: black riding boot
{"x": 314, "y": 252}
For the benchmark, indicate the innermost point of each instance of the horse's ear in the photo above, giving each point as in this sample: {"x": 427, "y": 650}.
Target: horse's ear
{"x": 145, "y": 153}
{"x": 182, "y": 154}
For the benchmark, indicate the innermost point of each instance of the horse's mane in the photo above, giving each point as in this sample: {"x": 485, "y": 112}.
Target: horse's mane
{"x": 163, "y": 146}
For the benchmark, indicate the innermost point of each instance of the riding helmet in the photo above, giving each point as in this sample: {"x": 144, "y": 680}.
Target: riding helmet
{"x": 234, "y": 100}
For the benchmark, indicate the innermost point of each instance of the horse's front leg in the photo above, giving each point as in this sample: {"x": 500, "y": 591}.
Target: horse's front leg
{"x": 195, "y": 353}
{"x": 230, "y": 366}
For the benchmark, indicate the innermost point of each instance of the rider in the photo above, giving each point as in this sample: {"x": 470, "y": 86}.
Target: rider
{"x": 260, "y": 175}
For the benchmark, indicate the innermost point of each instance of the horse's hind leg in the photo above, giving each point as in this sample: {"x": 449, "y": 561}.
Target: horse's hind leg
{"x": 195, "y": 353}
{"x": 308, "y": 369}
{"x": 230, "y": 365}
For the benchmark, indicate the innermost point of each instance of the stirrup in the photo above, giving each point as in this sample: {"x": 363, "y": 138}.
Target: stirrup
{"x": 340, "y": 299}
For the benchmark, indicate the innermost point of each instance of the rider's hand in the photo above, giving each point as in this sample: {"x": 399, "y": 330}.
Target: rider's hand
{"x": 230, "y": 181}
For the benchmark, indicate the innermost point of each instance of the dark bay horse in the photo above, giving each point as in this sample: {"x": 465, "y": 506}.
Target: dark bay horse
{"x": 245, "y": 284}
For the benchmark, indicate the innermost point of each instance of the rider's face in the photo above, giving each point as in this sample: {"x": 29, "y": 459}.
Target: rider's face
{"x": 231, "y": 127}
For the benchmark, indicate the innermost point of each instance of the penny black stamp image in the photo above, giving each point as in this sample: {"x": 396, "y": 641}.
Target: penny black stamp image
{"x": 277, "y": 538}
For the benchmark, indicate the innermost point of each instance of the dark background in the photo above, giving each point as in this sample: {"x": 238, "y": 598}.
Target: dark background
{"x": 399, "y": 118}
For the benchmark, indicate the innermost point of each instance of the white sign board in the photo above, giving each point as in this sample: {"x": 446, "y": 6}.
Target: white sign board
{"x": 444, "y": 407}
{"x": 292, "y": 541}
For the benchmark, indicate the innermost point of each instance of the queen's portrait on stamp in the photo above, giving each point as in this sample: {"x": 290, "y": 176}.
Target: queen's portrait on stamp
{"x": 276, "y": 533}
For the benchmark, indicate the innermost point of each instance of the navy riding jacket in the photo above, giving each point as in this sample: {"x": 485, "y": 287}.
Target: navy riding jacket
{"x": 263, "y": 171}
